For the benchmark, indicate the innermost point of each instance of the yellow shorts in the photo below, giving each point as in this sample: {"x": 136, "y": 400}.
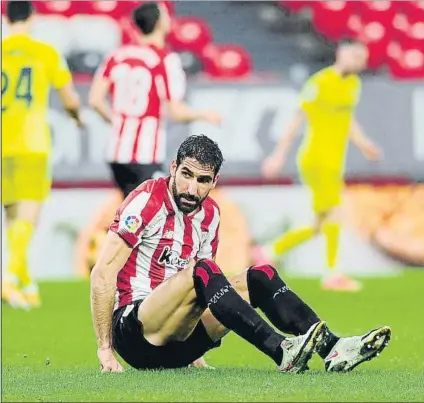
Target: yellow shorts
{"x": 25, "y": 177}
{"x": 325, "y": 184}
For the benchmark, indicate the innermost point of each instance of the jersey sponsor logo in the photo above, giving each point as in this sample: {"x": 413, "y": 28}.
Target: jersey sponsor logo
{"x": 132, "y": 222}
{"x": 172, "y": 259}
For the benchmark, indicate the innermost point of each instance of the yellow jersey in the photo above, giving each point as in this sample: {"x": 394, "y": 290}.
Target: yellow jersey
{"x": 29, "y": 69}
{"x": 329, "y": 101}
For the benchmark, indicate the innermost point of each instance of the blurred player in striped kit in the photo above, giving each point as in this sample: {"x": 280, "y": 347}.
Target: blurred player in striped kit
{"x": 29, "y": 69}
{"x": 327, "y": 103}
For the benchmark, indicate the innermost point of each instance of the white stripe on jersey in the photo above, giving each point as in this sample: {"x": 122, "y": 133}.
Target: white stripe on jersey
{"x": 206, "y": 248}
{"x": 161, "y": 144}
{"x": 178, "y": 241}
{"x": 140, "y": 284}
{"x": 146, "y": 140}
{"x": 128, "y": 138}
{"x": 114, "y": 138}
{"x": 197, "y": 231}
{"x": 135, "y": 207}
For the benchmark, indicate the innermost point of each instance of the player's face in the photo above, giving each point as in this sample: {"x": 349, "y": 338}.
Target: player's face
{"x": 165, "y": 19}
{"x": 191, "y": 184}
{"x": 354, "y": 58}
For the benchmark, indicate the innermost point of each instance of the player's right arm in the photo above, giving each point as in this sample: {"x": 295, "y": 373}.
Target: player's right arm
{"x": 61, "y": 80}
{"x": 175, "y": 83}
{"x": 275, "y": 161}
{"x": 125, "y": 234}
{"x": 97, "y": 98}
{"x": 113, "y": 255}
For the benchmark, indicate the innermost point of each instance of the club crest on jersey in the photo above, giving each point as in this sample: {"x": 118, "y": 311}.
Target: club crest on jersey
{"x": 172, "y": 259}
{"x": 132, "y": 222}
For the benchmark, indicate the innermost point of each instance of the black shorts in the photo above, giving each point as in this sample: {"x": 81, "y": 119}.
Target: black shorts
{"x": 128, "y": 176}
{"x": 135, "y": 350}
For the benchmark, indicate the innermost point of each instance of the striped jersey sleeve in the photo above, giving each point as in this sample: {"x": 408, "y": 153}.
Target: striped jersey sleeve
{"x": 135, "y": 214}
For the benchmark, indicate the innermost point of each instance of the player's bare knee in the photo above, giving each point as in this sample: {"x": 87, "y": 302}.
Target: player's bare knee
{"x": 268, "y": 272}
{"x": 203, "y": 271}
{"x": 239, "y": 283}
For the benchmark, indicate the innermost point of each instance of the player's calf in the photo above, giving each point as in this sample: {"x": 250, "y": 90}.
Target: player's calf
{"x": 232, "y": 311}
{"x": 228, "y": 307}
{"x": 284, "y": 308}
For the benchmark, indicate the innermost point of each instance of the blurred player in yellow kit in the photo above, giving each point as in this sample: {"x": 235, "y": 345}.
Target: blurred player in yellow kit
{"x": 29, "y": 69}
{"x": 327, "y": 103}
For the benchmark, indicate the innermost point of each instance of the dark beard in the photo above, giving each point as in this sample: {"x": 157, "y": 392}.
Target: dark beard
{"x": 182, "y": 205}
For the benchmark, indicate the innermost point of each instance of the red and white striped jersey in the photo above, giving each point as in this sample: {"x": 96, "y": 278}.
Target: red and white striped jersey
{"x": 164, "y": 240}
{"x": 141, "y": 78}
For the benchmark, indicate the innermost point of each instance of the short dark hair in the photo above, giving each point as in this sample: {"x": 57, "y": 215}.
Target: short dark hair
{"x": 146, "y": 16}
{"x": 19, "y": 11}
{"x": 202, "y": 149}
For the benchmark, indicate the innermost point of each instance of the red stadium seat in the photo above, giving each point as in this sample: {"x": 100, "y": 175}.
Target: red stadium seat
{"x": 189, "y": 33}
{"x": 400, "y": 25}
{"x": 374, "y": 34}
{"x": 62, "y": 7}
{"x": 354, "y": 26}
{"x": 382, "y": 11}
{"x": 330, "y": 17}
{"x": 406, "y": 63}
{"x": 226, "y": 61}
{"x": 114, "y": 9}
{"x": 414, "y": 10}
{"x": 414, "y": 36}
{"x": 295, "y": 5}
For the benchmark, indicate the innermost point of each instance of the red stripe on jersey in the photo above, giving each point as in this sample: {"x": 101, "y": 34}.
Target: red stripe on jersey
{"x": 140, "y": 82}
{"x": 124, "y": 279}
{"x": 215, "y": 243}
{"x": 209, "y": 213}
{"x": 149, "y": 211}
{"x": 153, "y": 205}
{"x": 157, "y": 269}
{"x": 187, "y": 238}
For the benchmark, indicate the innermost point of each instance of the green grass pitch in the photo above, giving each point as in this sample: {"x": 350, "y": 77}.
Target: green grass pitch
{"x": 49, "y": 354}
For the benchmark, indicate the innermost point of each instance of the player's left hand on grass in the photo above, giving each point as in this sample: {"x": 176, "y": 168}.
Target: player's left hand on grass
{"x": 108, "y": 361}
{"x": 200, "y": 363}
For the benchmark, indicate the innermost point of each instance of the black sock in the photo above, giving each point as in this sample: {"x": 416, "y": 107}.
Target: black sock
{"x": 286, "y": 311}
{"x": 229, "y": 308}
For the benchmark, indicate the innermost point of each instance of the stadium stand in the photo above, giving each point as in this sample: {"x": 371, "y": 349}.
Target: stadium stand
{"x": 393, "y": 31}
{"x": 85, "y": 31}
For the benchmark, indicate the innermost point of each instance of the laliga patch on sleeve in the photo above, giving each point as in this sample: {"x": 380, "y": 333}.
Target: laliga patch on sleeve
{"x": 131, "y": 222}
